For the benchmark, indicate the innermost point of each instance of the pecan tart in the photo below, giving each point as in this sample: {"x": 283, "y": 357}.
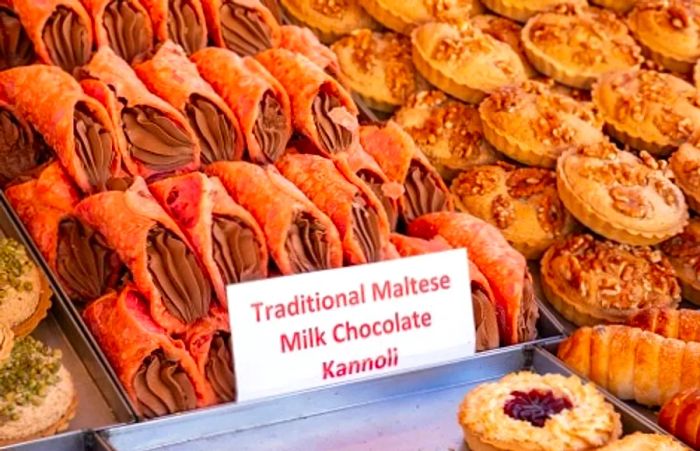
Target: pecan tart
{"x": 522, "y": 10}
{"x": 528, "y": 411}
{"x": 620, "y": 196}
{"x": 448, "y": 132}
{"x": 463, "y": 61}
{"x": 576, "y": 44}
{"x": 522, "y": 202}
{"x": 505, "y": 30}
{"x": 533, "y": 124}
{"x": 685, "y": 164}
{"x": 328, "y": 19}
{"x": 683, "y": 251}
{"x": 403, "y": 16}
{"x": 646, "y": 109}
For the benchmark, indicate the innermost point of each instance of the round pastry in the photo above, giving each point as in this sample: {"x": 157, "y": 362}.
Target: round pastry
{"x": 533, "y": 124}
{"x": 507, "y": 31}
{"x": 328, "y": 19}
{"x": 7, "y": 341}
{"x": 619, "y": 6}
{"x": 522, "y": 202}
{"x": 669, "y": 32}
{"x": 620, "y": 196}
{"x": 645, "y": 442}
{"x": 522, "y": 10}
{"x": 402, "y": 16}
{"x": 531, "y": 412}
{"x": 576, "y": 44}
{"x": 591, "y": 281}
{"x": 685, "y": 164}
{"x": 37, "y": 395}
{"x": 448, "y": 132}
{"x": 683, "y": 251}
{"x": 463, "y": 61}
{"x": 646, "y": 109}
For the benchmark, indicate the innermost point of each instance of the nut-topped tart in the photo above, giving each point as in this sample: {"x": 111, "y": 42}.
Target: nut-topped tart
{"x": 619, "y": 6}
{"x": 522, "y": 10}
{"x": 576, "y": 44}
{"x": 683, "y": 251}
{"x": 402, "y": 16}
{"x": 685, "y": 164}
{"x": 329, "y": 19}
{"x": 505, "y": 30}
{"x": 522, "y": 202}
{"x": 620, "y": 196}
{"x": 648, "y": 110}
{"x": 592, "y": 281}
{"x": 533, "y": 124}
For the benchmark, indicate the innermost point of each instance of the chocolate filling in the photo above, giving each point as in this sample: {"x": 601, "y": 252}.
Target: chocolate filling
{"x": 124, "y": 25}
{"x": 244, "y": 30}
{"x": 156, "y": 140}
{"x": 334, "y": 137}
{"x": 162, "y": 386}
{"x": 16, "y": 48}
{"x": 175, "y": 272}
{"x": 307, "y": 245}
{"x": 274, "y": 7}
{"x": 185, "y": 27}
{"x": 219, "y": 368}
{"x": 236, "y": 250}
{"x": 215, "y": 132}
{"x": 365, "y": 228}
{"x": 21, "y": 149}
{"x": 67, "y": 39}
{"x": 119, "y": 183}
{"x": 375, "y": 182}
{"x": 527, "y": 321}
{"x": 423, "y": 194}
{"x": 93, "y": 146}
{"x": 485, "y": 320}
{"x": 269, "y": 128}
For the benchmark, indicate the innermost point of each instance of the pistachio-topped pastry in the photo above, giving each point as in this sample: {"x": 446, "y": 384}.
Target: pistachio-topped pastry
{"x": 7, "y": 341}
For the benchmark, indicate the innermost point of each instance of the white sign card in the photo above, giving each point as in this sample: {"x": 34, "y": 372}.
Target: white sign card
{"x": 309, "y": 330}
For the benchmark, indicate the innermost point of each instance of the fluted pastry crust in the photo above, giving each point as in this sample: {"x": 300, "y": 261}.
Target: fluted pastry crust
{"x": 683, "y": 251}
{"x": 619, "y": 6}
{"x": 522, "y": 10}
{"x": 402, "y": 17}
{"x": 329, "y": 19}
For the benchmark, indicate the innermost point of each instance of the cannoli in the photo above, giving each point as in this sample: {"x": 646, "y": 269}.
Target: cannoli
{"x": 257, "y": 98}
{"x": 304, "y": 41}
{"x": 156, "y": 371}
{"x": 402, "y": 162}
{"x": 246, "y": 27}
{"x": 74, "y": 125}
{"x": 181, "y": 21}
{"x": 300, "y": 237}
{"x": 162, "y": 265}
{"x": 153, "y": 136}
{"x": 16, "y": 48}
{"x": 504, "y": 268}
{"x": 323, "y": 111}
{"x": 22, "y": 149}
{"x": 225, "y": 236}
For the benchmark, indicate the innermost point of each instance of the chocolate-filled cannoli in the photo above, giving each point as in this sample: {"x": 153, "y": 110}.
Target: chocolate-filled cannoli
{"x": 16, "y": 49}
{"x": 242, "y": 26}
{"x": 181, "y": 21}
{"x": 154, "y": 137}
{"x": 300, "y": 237}
{"x": 161, "y": 263}
{"x": 22, "y": 148}
{"x": 157, "y": 372}
{"x": 304, "y": 41}
{"x": 257, "y": 98}
{"x": 402, "y": 162}
{"x": 226, "y": 237}
{"x": 61, "y": 31}
{"x": 323, "y": 111}
{"x": 73, "y": 124}
{"x": 173, "y": 77}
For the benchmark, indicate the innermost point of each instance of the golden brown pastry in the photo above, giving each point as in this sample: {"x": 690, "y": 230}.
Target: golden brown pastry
{"x": 522, "y": 10}
{"x": 402, "y": 17}
{"x": 683, "y": 324}
{"x": 679, "y": 416}
{"x": 683, "y": 251}
{"x": 619, "y": 6}
{"x": 7, "y": 341}
{"x": 685, "y": 164}
{"x": 505, "y": 30}
{"x": 329, "y": 19}
{"x": 645, "y": 442}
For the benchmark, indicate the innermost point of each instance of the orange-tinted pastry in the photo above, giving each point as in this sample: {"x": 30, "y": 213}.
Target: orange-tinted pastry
{"x": 682, "y": 324}
{"x": 679, "y": 416}
{"x": 304, "y": 41}
{"x": 22, "y": 148}
{"x": 522, "y": 10}
{"x": 17, "y": 48}
{"x": 685, "y": 164}
{"x": 245, "y": 27}
{"x": 329, "y": 19}
{"x": 402, "y": 17}
{"x": 619, "y": 6}
{"x": 683, "y": 251}
{"x": 645, "y": 442}
{"x": 505, "y": 30}
{"x": 181, "y": 21}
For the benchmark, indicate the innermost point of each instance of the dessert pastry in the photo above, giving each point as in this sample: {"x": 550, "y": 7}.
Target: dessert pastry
{"x": 7, "y": 341}
{"x": 156, "y": 371}
{"x": 685, "y": 164}
{"x": 329, "y": 20}
{"x": 683, "y": 251}
{"x": 668, "y": 31}
{"x": 17, "y": 48}
{"x": 533, "y": 124}
{"x": 463, "y": 61}
{"x": 181, "y": 21}
{"x": 37, "y": 395}
{"x": 378, "y": 67}
{"x": 323, "y": 110}
{"x": 575, "y": 44}
{"x": 522, "y": 202}
{"x": 174, "y": 78}
{"x": 259, "y": 101}
{"x": 679, "y": 417}
{"x": 300, "y": 238}
{"x": 304, "y": 41}
{"x": 61, "y": 31}
{"x": 537, "y": 412}
{"x": 402, "y": 162}
{"x": 402, "y": 17}
{"x": 246, "y": 27}
{"x": 590, "y": 281}
{"x": 504, "y": 268}
{"x": 620, "y": 196}
{"x": 162, "y": 265}
{"x": 154, "y": 138}
{"x": 696, "y": 74}
{"x": 618, "y": 6}
{"x": 47, "y": 97}
{"x": 505, "y": 30}
{"x": 683, "y": 324}
{"x": 522, "y": 10}
{"x": 22, "y": 149}
{"x": 275, "y": 9}
{"x": 644, "y": 442}
{"x": 447, "y": 131}
{"x": 224, "y": 236}
{"x": 646, "y": 109}
{"x": 633, "y": 364}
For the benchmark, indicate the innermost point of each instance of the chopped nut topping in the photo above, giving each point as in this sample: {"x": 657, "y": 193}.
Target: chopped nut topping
{"x": 686, "y": 247}
{"x": 330, "y": 8}
{"x": 476, "y": 181}
{"x": 551, "y": 213}
{"x": 527, "y": 182}
{"x": 503, "y": 211}
{"x": 14, "y": 263}
{"x": 630, "y": 201}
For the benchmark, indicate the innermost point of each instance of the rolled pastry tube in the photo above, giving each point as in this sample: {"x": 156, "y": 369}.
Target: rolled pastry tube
{"x": 181, "y": 21}
{"x": 245, "y": 27}
{"x": 22, "y": 148}
{"x": 16, "y": 48}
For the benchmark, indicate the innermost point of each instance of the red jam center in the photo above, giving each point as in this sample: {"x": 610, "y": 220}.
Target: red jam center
{"x": 535, "y": 406}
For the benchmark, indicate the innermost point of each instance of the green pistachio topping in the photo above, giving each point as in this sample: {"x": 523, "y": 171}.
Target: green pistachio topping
{"x": 14, "y": 263}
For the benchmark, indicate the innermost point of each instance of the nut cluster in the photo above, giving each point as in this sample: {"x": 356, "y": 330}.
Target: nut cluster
{"x": 503, "y": 211}
{"x": 685, "y": 247}
{"x": 14, "y": 263}
{"x": 477, "y": 181}
{"x": 330, "y": 8}
{"x": 469, "y": 42}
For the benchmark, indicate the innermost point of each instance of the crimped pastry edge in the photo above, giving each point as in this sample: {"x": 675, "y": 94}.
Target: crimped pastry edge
{"x": 385, "y": 17}
{"x": 672, "y": 64}
{"x": 519, "y": 14}
{"x": 326, "y": 36}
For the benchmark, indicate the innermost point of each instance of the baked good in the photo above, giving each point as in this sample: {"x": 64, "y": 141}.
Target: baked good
{"x": 505, "y": 30}
{"x": 304, "y": 41}
{"x": 7, "y": 342}
{"x": 447, "y": 131}
{"x": 646, "y": 109}
{"x": 619, "y": 6}
{"x": 19, "y": 50}
{"x": 463, "y": 61}
{"x": 645, "y": 442}
{"x": 522, "y": 10}
{"x": 575, "y": 44}
{"x": 402, "y": 17}
{"x": 685, "y": 164}
{"x": 696, "y": 74}
{"x": 533, "y": 124}
{"x": 329, "y": 20}
{"x": 22, "y": 149}
{"x": 246, "y": 27}
{"x": 590, "y": 281}
{"x": 620, "y": 196}
{"x": 683, "y": 324}
{"x": 680, "y": 418}
{"x": 537, "y": 412}
{"x": 181, "y": 21}
{"x": 522, "y": 202}
{"x": 683, "y": 251}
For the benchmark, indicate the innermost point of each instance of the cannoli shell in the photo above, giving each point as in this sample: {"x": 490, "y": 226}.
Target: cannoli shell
{"x": 212, "y": 10}
{"x": 160, "y": 12}
{"x": 304, "y": 41}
